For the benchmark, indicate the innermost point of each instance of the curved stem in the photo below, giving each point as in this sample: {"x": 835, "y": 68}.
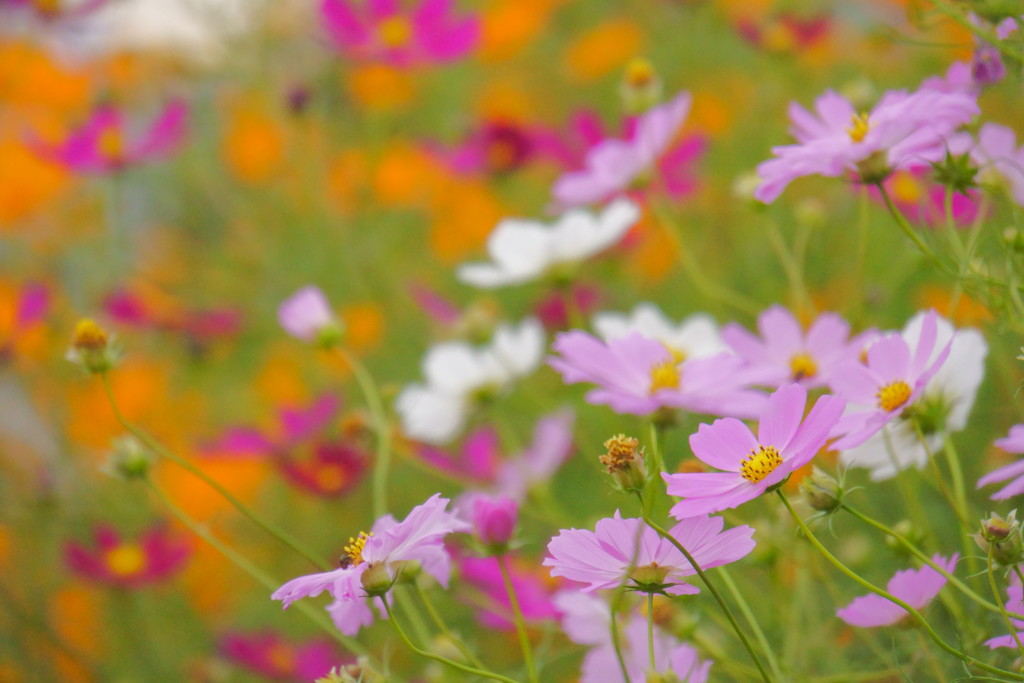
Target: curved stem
{"x": 164, "y": 452}
{"x": 382, "y": 463}
{"x": 316, "y": 615}
{"x": 714, "y": 592}
{"x": 748, "y": 614}
{"x": 837, "y": 563}
{"x": 438, "y": 658}
{"x": 905, "y": 226}
{"x": 443, "y": 627}
{"x": 999, "y": 600}
{"x": 517, "y": 616}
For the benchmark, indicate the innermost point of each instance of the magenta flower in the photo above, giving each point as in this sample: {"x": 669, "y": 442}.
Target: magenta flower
{"x": 637, "y": 376}
{"x": 200, "y": 326}
{"x": 916, "y": 587}
{"x": 125, "y": 563}
{"x": 32, "y": 305}
{"x": 892, "y": 379}
{"x": 419, "y": 537}
{"x": 307, "y": 315}
{"x": 493, "y": 519}
{"x": 1001, "y": 162}
{"x": 1012, "y": 443}
{"x": 496, "y": 147}
{"x": 923, "y": 201}
{"x": 612, "y": 165}
{"x": 1014, "y": 604}
{"x": 902, "y": 130}
{"x": 103, "y": 144}
{"x": 271, "y": 656}
{"x": 533, "y": 591}
{"x": 785, "y": 442}
{"x": 385, "y": 30}
{"x": 785, "y": 353}
{"x": 601, "y": 558}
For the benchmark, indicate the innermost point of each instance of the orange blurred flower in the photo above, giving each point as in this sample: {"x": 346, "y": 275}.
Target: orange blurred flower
{"x": 364, "y": 326}
{"x": 465, "y": 213}
{"x": 27, "y": 182}
{"x": 381, "y": 88}
{"x": 253, "y": 146}
{"x": 510, "y": 25}
{"x": 603, "y": 49}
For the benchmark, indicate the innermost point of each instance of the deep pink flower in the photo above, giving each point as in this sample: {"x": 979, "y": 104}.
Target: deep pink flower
{"x": 419, "y": 537}
{"x": 198, "y": 325}
{"x": 555, "y": 315}
{"x": 916, "y": 587}
{"x": 1014, "y": 604}
{"x": 999, "y": 159}
{"x": 601, "y": 558}
{"x": 103, "y": 144}
{"x": 496, "y": 147}
{"x": 272, "y": 656}
{"x": 892, "y": 379}
{"x": 923, "y": 201}
{"x": 901, "y": 131}
{"x": 785, "y": 353}
{"x": 333, "y": 469}
{"x": 307, "y": 314}
{"x": 533, "y": 591}
{"x": 637, "y": 376}
{"x": 613, "y": 165}
{"x": 493, "y": 518}
{"x": 784, "y": 32}
{"x": 126, "y": 563}
{"x": 388, "y": 31}
{"x": 1012, "y": 443}
{"x": 31, "y": 305}
{"x": 785, "y": 442}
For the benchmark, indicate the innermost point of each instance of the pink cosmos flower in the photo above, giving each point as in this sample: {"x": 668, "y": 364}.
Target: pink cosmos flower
{"x": 923, "y": 201}
{"x": 271, "y": 656}
{"x": 893, "y": 377}
{"x": 307, "y": 315}
{"x": 199, "y": 326}
{"x": 493, "y": 518}
{"x": 637, "y": 376}
{"x": 784, "y": 32}
{"x": 785, "y": 442}
{"x": 1001, "y": 162}
{"x": 902, "y": 130}
{"x": 419, "y": 537}
{"x": 125, "y": 563}
{"x": 785, "y": 353}
{"x": 586, "y": 620}
{"x": 103, "y": 144}
{"x": 496, "y": 147}
{"x": 1012, "y": 443}
{"x": 403, "y": 36}
{"x": 612, "y": 165}
{"x": 533, "y": 590}
{"x": 916, "y": 587}
{"x": 601, "y": 558}
{"x": 1014, "y": 604}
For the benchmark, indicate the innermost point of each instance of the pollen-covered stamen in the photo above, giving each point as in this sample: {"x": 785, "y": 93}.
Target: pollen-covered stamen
{"x": 678, "y": 355}
{"x": 395, "y": 32}
{"x": 859, "y": 127}
{"x": 803, "y": 366}
{"x": 761, "y": 462}
{"x": 893, "y": 395}
{"x": 354, "y": 550}
{"x": 111, "y": 143}
{"x": 126, "y": 559}
{"x": 665, "y": 375}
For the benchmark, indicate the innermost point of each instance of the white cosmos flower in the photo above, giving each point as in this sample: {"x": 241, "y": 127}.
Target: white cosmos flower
{"x": 695, "y": 337}
{"x": 459, "y": 375}
{"x": 942, "y": 409}
{"x": 524, "y": 250}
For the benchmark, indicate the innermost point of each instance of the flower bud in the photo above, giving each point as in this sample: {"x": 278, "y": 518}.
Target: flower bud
{"x": 129, "y": 459}
{"x": 1013, "y": 238}
{"x": 307, "y": 315}
{"x": 359, "y": 672}
{"x": 92, "y": 348}
{"x": 987, "y": 65}
{"x": 624, "y": 461}
{"x": 821, "y": 491}
{"x": 376, "y": 580}
{"x": 494, "y": 521}
{"x": 1001, "y": 537}
{"x": 874, "y": 168}
{"x": 640, "y": 88}
{"x": 958, "y": 172}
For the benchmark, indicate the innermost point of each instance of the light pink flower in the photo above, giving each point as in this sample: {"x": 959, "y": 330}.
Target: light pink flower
{"x": 403, "y": 36}
{"x": 901, "y": 131}
{"x": 999, "y": 159}
{"x": 785, "y": 442}
{"x": 419, "y": 537}
{"x": 786, "y": 353}
{"x": 612, "y": 165}
{"x": 1012, "y": 443}
{"x": 103, "y": 144}
{"x": 601, "y": 558}
{"x": 1014, "y": 604}
{"x": 307, "y": 314}
{"x": 531, "y": 583}
{"x": 637, "y": 376}
{"x": 892, "y": 379}
{"x": 916, "y": 587}
{"x": 493, "y": 519}
{"x": 129, "y": 563}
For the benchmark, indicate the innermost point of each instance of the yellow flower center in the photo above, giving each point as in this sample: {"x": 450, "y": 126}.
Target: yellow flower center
{"x": 395, "y": 32}
{"x": 906, "y": 188}
{"x": 665, "y": 376}
{"x": 761, "y": 462}
{"x": 639, "y": 73}
{"x": 127, "y": 559}
{"x": 88, "y": 335}
{"x": 893, "y": 395}
{"x": 803, "y": 366}
{"x": 502, "y": 154}
{"x": 778, "y": 37}
{"x": 354, "y": 550}
{"x": 859, "y": 127}
{"x": 330, "y": 477}
{"x": 281, "y": 658}
{"x": 678, "y": 355}
{"x": 111, "y": 143}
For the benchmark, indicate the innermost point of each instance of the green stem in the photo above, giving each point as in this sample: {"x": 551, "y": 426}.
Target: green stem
{"x": 163, "y": 452}
{"x": 999, "y": 600}
{"x": 517, "y": 616}
{"x": 714, "y": 592}
{"x": 438, "y": 658}
{"x": 748, "y": 614}
{"x": 650, "y": 632}
{"x": 837, "y": 563}
{"x": 443, "y": 627}
{"x": 382, "y": 463}
{"x": 905, "y": 226}
{"x": 316, "y": 615}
